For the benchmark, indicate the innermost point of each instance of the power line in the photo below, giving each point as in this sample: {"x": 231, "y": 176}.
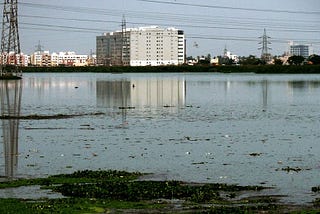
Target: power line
{"x": 232, "y": 8}
{"x": 252, "y": 27}
{"x": 157, "y": 15}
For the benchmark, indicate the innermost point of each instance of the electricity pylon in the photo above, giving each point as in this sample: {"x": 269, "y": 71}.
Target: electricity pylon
{"x": 10, "y": 44}
{"x": 265, "y": 55}
{"x": 125, "y": 54}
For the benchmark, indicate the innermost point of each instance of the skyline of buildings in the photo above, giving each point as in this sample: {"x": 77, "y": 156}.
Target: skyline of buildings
{"x": 141, "y": 46}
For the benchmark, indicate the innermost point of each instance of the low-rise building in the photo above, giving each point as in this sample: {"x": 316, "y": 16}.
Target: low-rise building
{"x": 14, "y": 59}
{"x": 41, "y": 59}
{"x": 45, "y": 59}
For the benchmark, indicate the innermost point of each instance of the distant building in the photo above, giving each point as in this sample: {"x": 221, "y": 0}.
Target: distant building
{"x": 41, "y": 59}
{"x": 14, "y": 59}
{"x": 144, "y": 46}
{"x": 45, "y": 59}
{"x": 214, "y": 61}
{"x": 299, "y": 50}
{"x": 228, "y": 55}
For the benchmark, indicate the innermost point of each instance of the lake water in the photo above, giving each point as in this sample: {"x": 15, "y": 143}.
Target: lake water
{"x": 218, "y": 128}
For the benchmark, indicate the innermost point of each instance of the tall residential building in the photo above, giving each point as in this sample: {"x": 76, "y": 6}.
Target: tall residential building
{"x": 299, "y": 50}
{"x": 144, "y": 46}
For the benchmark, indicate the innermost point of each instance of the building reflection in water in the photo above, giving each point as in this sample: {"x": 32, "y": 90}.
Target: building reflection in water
{"x": 151, "y": 93}
{"x": 10, "y": 91}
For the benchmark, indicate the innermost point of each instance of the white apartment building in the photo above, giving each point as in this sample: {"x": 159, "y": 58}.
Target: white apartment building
{"x": 69, "y": 59}
{"x": 57, "y": 59}
{"x": 144, "y": 46}
{"x": 40, "y": 58}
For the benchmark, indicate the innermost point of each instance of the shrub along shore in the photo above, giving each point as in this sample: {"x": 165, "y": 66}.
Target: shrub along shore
{"x": 262, "y": 69}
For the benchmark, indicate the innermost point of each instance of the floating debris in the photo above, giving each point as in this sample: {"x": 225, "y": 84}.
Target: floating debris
{"x": 199, "y": 163}
{"x": 168, "y": 106}
{"x": 48, "y": 117}
{"x": 289, "y": 169}
{"x": 255, "y": 154}
{"x": 126, "y": 107}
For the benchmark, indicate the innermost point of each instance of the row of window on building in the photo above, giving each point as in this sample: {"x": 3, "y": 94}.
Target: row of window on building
{"x": 45, "y": 59}
{"x": 146, "y": 46}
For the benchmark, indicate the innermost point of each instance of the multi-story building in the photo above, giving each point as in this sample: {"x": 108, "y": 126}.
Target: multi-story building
{"x": 299, "y": 50}
{"x": 144, "y": 46}
{"x": 14, "y": 59}
{"x": 41, "y": 59}
{"x": 45, "y": 59}
{"x": 71, "y": 59}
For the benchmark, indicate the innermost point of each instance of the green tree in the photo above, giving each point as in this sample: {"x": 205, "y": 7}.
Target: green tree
{"x": 250, "y": 60}
{"x": 315, "y": 59}
{"x": 278, "y": 61}
{"x": 296, "y": 60}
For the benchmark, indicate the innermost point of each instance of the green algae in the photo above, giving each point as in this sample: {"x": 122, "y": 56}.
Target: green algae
{"x": 86, "y": 176}
{"x": 119, "y": 191}
{"x": 69, "y": 205}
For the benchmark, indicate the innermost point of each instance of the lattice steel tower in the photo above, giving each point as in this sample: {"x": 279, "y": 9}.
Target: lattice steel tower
{"x": 265, "y": 55}
{"x": 10, "y": 44}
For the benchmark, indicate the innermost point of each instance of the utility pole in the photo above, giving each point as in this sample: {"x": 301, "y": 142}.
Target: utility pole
{"x": 265, "y": 55}
{"x": 10, "y": 44}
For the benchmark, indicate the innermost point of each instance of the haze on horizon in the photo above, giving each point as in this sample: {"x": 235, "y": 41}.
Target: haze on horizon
{"x": 209, "y": 26}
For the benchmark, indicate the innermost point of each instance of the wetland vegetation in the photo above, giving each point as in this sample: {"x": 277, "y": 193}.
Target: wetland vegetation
{"x": 128, "y": 192}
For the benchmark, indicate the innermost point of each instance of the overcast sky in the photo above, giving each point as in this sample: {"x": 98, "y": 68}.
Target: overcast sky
{"x": 72, "y": 25}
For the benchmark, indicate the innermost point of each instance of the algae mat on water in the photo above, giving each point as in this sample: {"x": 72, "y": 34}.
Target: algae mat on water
{"x": 119, "y": 191}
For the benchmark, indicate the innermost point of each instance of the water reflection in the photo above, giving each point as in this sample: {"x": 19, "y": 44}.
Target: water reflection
{"x": 265, "y": 86}
{"x": 151, "y": 93}
{"x": 10, "y": 110}
{"x": 302, "y": 85}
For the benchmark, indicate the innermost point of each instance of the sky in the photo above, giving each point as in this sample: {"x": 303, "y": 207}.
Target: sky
{"x": 209, "y": 26}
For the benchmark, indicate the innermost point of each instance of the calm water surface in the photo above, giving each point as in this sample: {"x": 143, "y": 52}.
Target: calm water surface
{"x": 226, "y": 128}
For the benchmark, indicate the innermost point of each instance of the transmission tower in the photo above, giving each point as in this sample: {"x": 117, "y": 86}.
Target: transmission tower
{"x": 265, "y": 55}
{"x": 39, "y": 47}
{"x": 10, "y": 44}
{"x": 125, "y": 43}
